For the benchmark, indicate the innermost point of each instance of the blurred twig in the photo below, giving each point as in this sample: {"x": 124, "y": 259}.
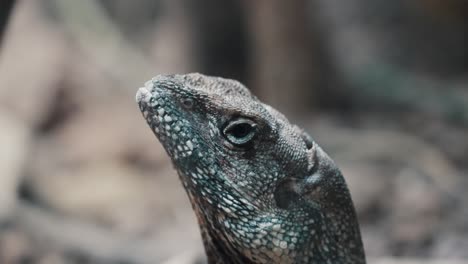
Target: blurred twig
{"x": 6, "y": 7}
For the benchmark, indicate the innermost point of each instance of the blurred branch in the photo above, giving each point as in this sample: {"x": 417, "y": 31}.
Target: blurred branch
{"x": 6, "y": 7}
{"x": 102, "y": 41}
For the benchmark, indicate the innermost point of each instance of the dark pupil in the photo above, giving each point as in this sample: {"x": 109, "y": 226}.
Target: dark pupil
{"x": 241, "y": 130}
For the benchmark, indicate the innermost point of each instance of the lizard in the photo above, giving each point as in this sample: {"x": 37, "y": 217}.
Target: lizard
{"x": 262, "y": 189}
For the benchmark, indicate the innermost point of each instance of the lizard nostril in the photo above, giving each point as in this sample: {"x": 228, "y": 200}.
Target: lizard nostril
{"x": 187, "y": 103}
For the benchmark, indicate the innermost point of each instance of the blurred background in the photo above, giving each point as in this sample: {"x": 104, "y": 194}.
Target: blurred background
{"x": 381, "y": 85}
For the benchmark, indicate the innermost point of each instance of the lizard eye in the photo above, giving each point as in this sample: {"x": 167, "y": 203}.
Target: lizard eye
{"x": 240, "y": 131}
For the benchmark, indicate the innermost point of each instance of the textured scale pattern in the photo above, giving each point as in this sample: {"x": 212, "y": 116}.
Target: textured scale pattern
{"x": 263, "y": 191}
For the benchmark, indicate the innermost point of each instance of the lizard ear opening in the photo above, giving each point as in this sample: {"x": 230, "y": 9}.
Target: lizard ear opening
{"x": 287, "y": 194}
{"x": 293, "y": 192}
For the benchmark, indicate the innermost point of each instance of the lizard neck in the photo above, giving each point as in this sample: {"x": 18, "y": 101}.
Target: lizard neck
{"x": 294, "y": 236}
{"x": 237, "y": 231}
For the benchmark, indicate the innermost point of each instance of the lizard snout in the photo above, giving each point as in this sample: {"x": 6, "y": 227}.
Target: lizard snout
{"x": 143, "y": 95}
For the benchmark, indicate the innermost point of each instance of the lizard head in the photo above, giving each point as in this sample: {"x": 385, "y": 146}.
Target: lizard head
{"x": 214, "y": 128}
{"x": 245, "y": 166}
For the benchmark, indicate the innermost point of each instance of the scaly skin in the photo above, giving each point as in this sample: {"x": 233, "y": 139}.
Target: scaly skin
{"x": 262, "y": 189}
